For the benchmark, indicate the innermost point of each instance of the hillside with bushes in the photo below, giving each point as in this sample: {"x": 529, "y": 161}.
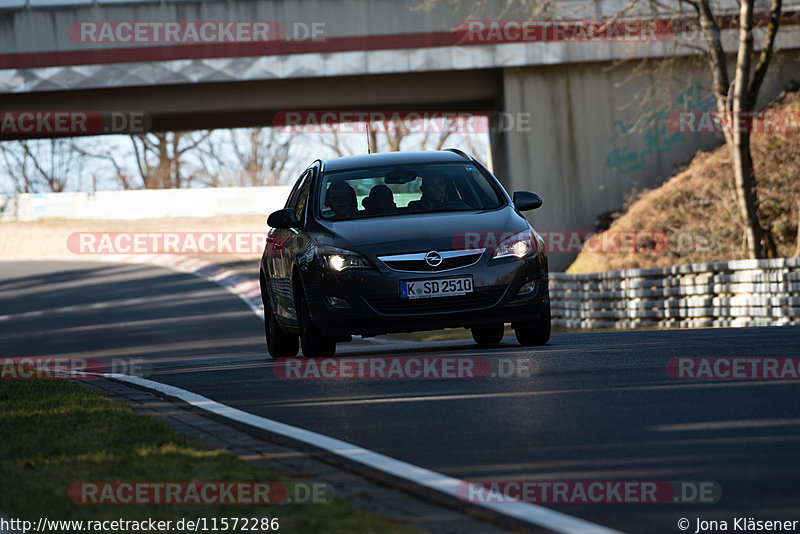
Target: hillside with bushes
{"x": 696, "y": 210}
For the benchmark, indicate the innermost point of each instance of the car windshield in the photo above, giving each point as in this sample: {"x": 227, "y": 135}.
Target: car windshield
{"x": 398, "y": 190}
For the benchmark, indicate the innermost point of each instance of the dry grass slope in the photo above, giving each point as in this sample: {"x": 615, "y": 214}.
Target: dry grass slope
{"x": 697, "y": 208}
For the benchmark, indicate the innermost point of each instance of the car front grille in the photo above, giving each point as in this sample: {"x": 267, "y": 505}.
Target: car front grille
{"x": 421, "y": 266}
{"x": 452, "y": 259}
{"x": 481, "y": 298}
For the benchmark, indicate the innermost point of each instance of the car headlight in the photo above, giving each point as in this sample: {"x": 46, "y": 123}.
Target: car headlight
{"x": 338, "y": 260}
{"x": 518, "y": 245}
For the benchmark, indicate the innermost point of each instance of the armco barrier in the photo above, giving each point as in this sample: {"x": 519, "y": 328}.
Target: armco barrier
{"x": 145, "y": 204}
{"x": 727, "y": 293}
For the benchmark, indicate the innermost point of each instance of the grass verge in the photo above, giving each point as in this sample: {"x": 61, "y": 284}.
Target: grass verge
{"x": 55, "y": 434}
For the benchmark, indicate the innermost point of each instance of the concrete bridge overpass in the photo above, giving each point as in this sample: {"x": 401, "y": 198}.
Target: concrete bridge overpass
{"x": 579, "y": 150}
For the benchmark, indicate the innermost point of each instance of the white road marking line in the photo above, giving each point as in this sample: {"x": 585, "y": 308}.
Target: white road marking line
{"x": 527, "y": 512}
{"x": 110, "y": 303}
{"x": 512, "y": 394}
{"x": 725, "y": 425}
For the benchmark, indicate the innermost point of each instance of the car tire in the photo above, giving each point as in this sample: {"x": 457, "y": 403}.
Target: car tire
{"x": 488, "y": 334}
{"x": 314, "y": 344}
{"x": 535, "y": 332}
{"x": 279, "y": 343}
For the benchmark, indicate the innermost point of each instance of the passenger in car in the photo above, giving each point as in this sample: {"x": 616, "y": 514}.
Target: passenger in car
{"x": 380, "y": 201}
{"x": 434, "y": 192}
{"x": 340, "y": 201}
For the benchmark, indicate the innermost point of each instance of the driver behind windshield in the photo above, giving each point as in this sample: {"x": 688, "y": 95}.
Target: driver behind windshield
{"x": 434, "y": 192}
{"x": 340, "y": 201}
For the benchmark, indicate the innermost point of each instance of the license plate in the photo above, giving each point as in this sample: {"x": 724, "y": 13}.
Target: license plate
{"x": 439, "y": 287}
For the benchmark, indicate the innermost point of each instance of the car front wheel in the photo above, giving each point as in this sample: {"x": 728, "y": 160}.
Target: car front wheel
{"x": 488, "y": 334}
{"x": 313, "y": 342}
{"x": 534, "y": 332}
{"x": 279, "y": 343}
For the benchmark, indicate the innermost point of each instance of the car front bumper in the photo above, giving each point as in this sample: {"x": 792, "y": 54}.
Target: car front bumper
{"x": 368, "y": 302}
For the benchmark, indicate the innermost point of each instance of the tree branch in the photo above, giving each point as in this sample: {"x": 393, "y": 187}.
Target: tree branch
{"x": 766, "y": 53}
{"x": 716, "y": 54}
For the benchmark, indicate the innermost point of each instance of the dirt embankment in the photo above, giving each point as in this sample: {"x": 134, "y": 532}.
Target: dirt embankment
{"x": 696, "y": 209}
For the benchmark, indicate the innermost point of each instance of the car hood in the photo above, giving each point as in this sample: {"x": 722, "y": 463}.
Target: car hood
{"x": 423, "y": 232}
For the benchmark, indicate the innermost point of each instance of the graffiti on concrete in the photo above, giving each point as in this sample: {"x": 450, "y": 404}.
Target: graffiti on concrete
{"x": 657, "y": 137}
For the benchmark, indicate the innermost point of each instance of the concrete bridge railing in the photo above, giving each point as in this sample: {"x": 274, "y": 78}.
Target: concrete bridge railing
{"x": 728, "y": 293}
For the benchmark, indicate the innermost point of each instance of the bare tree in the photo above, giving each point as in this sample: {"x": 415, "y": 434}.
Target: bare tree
{"x": 334, "y": 142}
{"x": 437, "y": 141}
{"x": 248, "y": 157}
{"x": 161, "y": 157}
{"x": 391, "y": 136}
{"x": 264, "y": 156}
{"x": 738, "y": 96}
{"x": 43, "y": 165}
{"x": 110, "y": 154}
{"x": 372, "y": 139}
{"x": 161, "y": 160}
{"x": 734, "y": 97}
{"x": 797, "y": 247}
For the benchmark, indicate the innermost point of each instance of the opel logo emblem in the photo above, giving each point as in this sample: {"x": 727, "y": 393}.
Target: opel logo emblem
{"x": 433, "y": 258}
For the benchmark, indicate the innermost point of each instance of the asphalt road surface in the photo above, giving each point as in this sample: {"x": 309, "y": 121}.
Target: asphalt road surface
{"x": 593, "y": 406}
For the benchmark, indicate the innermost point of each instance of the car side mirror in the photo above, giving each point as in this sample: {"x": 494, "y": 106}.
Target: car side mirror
{"x": 525, "y": 200}
{"x": 283, "y": 219}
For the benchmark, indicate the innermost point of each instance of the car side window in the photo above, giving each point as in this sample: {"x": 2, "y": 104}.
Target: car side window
{"x": 291, "y": 202}
{"x": 302, "y": 198}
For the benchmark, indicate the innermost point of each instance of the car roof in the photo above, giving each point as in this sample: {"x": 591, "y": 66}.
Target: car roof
{"x": 391, "y": 158}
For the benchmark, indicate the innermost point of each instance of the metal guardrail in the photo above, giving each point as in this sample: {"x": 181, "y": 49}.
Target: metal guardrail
{"x": 728, "y": 293}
